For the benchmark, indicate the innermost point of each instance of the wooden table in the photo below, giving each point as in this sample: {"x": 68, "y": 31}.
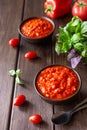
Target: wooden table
{"x": 12, "y": 12}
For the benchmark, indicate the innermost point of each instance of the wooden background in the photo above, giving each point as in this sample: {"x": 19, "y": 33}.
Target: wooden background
{"x": 16, "y": 118}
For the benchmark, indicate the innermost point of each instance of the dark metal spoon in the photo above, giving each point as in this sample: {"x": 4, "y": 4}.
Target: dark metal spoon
{"x": 64, "y": 117}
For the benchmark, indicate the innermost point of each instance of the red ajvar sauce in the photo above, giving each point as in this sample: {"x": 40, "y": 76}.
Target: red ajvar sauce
{"x": 57, "y": 82}
{"x": 37, "y": 28}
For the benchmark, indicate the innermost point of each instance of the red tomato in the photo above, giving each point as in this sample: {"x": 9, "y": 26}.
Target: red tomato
{"x": 14, "y": 42}
{"x": 80, "y": 9}
{"x": 19, "y": 100}
{"x": 31, "y": 55}
{"x": 35, "y": 119}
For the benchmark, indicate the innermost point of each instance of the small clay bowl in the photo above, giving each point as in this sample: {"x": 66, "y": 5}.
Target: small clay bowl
{"x": 52, "y": 72}
{"x": 40, "y": 28}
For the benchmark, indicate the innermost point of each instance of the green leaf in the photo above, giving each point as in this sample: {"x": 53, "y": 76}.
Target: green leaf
{"x": 85, "y": 45}
{"x": 84, "y": 53}
{"x": 64, "y": 35}
{"x": 75, "y": 21}
{"x": 73, "y": 36}
{"x": 78, "y": 28}
{"x": 12, "y": 72}
{"x": 66, "y": 46}
{"x": 79, "y": 47}
{"x": 18, "y": 81}
{"x": 76, "y": 38}
{"x": 74, "y": 26}
{"x": 84, "y": 27}
{"x": 18, "y": 72}
{"x": 62, "y": 47}
{"x": 58, "y": 48}
{"x": 84, "y": 36}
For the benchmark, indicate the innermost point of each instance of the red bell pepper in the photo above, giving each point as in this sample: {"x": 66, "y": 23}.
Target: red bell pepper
{"x": 57, "y": 8}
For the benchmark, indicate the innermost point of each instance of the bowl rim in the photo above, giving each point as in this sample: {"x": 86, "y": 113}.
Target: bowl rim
{"x": 30, "y": 18}
{"x": 57, "y": 100}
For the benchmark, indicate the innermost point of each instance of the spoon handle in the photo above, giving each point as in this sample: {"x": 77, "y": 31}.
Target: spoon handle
{"x": 80, "y": 108}
{"x": 80, "y": 104}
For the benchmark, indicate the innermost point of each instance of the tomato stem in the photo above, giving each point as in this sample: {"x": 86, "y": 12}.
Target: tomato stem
{"x": 81, "y": 4}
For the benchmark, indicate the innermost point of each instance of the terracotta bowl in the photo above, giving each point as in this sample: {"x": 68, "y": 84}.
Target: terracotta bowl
{"x": 36, "y": 39}
{"x": 64, "y": 88}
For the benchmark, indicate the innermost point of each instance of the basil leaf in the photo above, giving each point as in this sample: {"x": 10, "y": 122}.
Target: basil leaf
{"x": 18, "y": 81}
{"x": 74, "y": 26}
{"x": 79, "y": 47}
{"x": 18, "y": 72}
{"x": 84, "y": 36}
{"x": 66, "y": 47}
{"x": 84, "y": 53}
{"x": 76, "y": 21}
{"x": 64, "y": 35}
{"x": 78, "y": 28}
{"x": 71, "y": 54}
{"x": 84, "y": 27}
{"x": 85, "y": 45}
{"x": 73, "y": 36}
{"x": 75, "y": 61}
{"x": 76, "y": 38}
{"x": 12, "y": 72}
{"x": 58, "y": 48}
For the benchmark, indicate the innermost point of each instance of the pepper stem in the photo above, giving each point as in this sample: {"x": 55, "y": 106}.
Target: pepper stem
{"x": 49, "y": 8}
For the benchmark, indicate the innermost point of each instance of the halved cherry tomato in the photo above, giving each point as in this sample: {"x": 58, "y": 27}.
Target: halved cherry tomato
{"x": 19, "y": 100}
{"x": 14, "y": 42}
{"x": 31, "y": 55}
{"x": 35, "y": 119}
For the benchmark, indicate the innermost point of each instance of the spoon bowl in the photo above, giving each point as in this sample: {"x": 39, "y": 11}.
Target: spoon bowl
{"x": 61, "y": 118}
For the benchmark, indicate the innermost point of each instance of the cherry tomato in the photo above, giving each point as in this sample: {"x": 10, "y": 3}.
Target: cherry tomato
{"x": 19, "y": 100}
{"x": 80, "y": 9}
{"x": 31, "y": 55}
{"x": 14, "y": 42}
{"x": 35, "y": 119}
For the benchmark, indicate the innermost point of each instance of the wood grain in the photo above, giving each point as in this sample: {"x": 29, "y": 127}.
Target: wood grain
{"x": 30, "y": 68}
{"x": 10, "y": 15}
{"x": 16, "y": 118}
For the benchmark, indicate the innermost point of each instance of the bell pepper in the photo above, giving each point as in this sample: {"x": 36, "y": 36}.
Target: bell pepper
{"x": 57, "y": 8}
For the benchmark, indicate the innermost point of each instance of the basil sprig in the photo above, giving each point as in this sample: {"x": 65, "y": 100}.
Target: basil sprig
{"x": 73, "y": 36}
{"x": 17, "y": 75}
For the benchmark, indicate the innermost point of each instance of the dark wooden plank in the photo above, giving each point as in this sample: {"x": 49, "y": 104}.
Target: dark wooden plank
{"x": 77, "y": 123}
{"x": 34, "y": 8}
{"x": 34, "y": 103}
{"x": 10, "y": 15}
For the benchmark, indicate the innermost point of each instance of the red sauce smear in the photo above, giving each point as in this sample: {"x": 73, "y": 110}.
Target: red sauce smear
{"x": 57, "y": 82}
{"x": 37, "y": 28}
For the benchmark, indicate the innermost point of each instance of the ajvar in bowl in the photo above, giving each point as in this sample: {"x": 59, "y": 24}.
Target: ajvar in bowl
{"x": 37, "y": 29}
{"x": 57, "y": 83}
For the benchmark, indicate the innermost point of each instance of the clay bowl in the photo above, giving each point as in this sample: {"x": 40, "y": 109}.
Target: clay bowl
{"x": 38, "y": 32}
{"x": 57, "y": 92}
